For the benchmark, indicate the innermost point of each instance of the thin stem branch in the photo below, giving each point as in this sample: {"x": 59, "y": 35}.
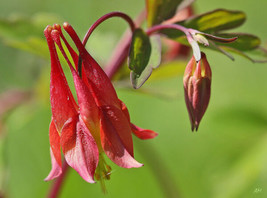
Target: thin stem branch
{"x": 105, "y": 17}
{"x": 57, "y": 185}
{"x": 97, "y": 23}
{"x": 157, "y": 28}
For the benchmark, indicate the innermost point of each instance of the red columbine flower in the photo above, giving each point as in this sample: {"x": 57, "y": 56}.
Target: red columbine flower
{"x": 100, "y": 123}
{"x": 197, "y": 81}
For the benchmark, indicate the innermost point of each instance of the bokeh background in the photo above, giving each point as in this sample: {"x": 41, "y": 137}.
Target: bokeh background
{"x": 226, "y": 158}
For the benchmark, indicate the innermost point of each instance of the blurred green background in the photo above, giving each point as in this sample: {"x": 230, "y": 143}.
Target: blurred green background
{"x": 226, "y": 158}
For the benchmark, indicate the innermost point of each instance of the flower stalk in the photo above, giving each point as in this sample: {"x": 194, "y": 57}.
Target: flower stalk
{"x": 101, "y": 20}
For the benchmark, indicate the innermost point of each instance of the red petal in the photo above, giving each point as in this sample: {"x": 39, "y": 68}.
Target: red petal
{"x": 55, "y": 142}
{"x": 56, "y": 168}
{"x": 102, "y": 87}
{"x": 125, "y": 110}
{"x": 54, "y": 152}
{"x": 143, "y": 134}
{"x": 88, "y": 108}
{"x": 62, "y": 102}
{"x": 116, "y": 137}
{"x": 79, "y": 148}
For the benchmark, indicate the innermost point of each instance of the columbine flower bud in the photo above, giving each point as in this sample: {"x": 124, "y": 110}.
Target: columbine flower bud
{"x": 197, "y": 81}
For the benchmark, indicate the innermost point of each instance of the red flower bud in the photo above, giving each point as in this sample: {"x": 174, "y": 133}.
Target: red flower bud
{"x": 197, "y": 81}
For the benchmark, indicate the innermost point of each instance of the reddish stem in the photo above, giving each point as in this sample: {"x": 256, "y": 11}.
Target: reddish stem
{"x": 105, "y": 17}
{"x": 97, "y": 23}
{"x": 57, "y": 185}
{"x": 167, "y": 26}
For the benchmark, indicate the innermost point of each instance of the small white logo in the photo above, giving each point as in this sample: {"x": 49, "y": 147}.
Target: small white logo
{"x": 258, "y": 190}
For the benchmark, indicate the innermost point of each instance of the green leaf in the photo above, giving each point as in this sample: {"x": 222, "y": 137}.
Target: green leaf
{"x": 140, "y": 51}
{"x": 245, "y": 42}
{"x": 160, "y": 10}
{"x": 210, "y": 22}
{"x": 239, "y": 52}
{"x": 154, "y": 61}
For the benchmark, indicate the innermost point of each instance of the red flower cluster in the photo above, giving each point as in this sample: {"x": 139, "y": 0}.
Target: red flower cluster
{"x": 99, "y": 123}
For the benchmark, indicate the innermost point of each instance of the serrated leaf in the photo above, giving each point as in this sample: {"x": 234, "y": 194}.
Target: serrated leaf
{"x": 160, "y": 10}
{"x": 154, "y": 61}
{"x": 210, "y": 22}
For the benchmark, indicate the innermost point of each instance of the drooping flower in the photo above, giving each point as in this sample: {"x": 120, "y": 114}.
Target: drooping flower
{"x": 100, "y": 123}
{"x": 197, "y": 82}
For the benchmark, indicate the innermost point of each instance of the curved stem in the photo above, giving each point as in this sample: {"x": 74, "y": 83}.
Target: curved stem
{"x": 105, "y": 17}
{"x": 188, "y": 32}
{"x": 97, "y": 23}
{"x": 156, "y": 28}
{"x": 57, "y": 185}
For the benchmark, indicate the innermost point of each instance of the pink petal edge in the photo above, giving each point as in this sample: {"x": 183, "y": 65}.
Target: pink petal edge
{"x": 56, "y": 168}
